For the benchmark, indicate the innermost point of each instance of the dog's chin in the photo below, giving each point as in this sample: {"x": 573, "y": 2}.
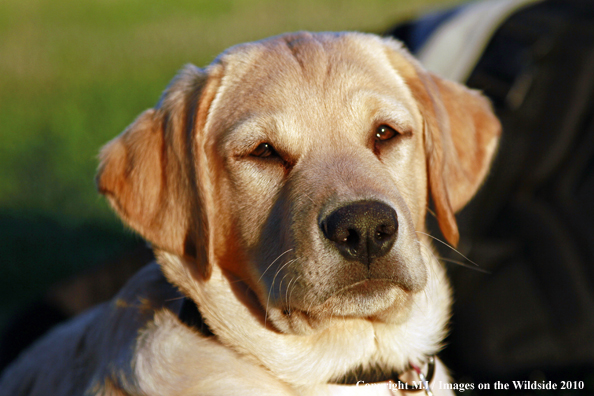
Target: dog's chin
{"x": 363, "y": 299}
{"x": 371, "y": 299}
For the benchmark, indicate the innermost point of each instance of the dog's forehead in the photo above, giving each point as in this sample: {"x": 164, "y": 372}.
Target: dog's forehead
{"x": 318, "y": 80}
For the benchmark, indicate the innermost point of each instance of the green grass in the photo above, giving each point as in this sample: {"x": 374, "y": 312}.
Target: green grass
{"x": 73, "y": 74}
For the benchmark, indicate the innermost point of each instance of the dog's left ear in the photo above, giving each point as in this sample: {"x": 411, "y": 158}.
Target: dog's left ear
{"x": 151, "y": 172}
{"x": 461, "y": 135}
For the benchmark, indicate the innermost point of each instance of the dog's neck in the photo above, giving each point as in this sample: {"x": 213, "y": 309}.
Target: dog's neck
{"x": 190, "y": 315}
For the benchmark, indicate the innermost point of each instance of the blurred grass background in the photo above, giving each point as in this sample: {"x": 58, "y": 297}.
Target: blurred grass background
{"x": 73, "y": 74}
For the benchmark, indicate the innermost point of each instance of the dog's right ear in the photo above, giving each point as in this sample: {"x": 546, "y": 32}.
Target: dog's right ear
{"x": 149, "y": 172}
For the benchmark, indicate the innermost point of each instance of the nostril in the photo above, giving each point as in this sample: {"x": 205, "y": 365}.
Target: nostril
{"x": 385, "y": 231}
{"x": 352, "y": 239}
{"x": 341, "y": 235}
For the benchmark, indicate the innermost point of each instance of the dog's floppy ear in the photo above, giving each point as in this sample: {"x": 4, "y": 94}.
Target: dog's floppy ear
{"x": 461, "y": 135}
{"x": 149, "y": 172}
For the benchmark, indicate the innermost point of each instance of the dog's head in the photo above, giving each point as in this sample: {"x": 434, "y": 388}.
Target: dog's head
{"x": 303, "y": 166}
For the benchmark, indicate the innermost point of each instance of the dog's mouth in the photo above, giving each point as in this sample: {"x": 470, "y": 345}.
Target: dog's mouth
{"x": 376, "y": 300}
{"x": 366, "y": 287}
{"x": 365, "y": 298}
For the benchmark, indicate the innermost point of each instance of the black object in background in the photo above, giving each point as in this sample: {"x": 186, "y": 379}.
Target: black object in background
{"x": 532, "y": 224}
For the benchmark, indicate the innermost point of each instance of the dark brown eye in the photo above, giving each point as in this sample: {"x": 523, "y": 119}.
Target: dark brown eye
{"x": 384, "y": 132}
{"x": 264, "y": 150}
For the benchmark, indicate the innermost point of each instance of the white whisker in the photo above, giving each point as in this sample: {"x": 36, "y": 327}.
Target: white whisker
{"x": 474, "y": 267}
{"x": 463, "y": 264}
{"x": 294, "y": 285}
{"x": 448, "y": 245}
{"x": 272, "y": 285}
{"x": 274, "y": 261}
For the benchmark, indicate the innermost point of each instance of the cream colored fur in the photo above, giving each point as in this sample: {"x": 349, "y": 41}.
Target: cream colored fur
{"x": 231, "y": 177}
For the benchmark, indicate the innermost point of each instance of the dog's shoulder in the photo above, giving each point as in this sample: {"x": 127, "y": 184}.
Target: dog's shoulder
{"x": 95, "y": 349}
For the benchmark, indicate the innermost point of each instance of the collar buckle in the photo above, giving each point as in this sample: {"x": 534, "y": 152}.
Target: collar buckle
{"x": 425, "y": 380}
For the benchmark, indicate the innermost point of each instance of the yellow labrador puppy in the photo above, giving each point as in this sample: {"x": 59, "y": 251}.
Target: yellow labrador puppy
{"x": 284, "y": 190}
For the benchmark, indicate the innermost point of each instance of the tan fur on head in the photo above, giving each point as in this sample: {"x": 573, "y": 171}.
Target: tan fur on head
{"x": 242, "y": 233}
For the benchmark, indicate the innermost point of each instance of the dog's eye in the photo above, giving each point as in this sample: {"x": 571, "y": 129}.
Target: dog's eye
{"x": 384, "y": 132}
{"x": 264, "y": 150}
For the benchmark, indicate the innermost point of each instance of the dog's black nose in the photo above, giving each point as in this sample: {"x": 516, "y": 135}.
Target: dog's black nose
{"x": 361, "y": 230}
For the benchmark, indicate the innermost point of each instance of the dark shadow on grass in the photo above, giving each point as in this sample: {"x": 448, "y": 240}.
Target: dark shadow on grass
{"x": 51, "y": 270}
{"x": 36, "y": 251}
